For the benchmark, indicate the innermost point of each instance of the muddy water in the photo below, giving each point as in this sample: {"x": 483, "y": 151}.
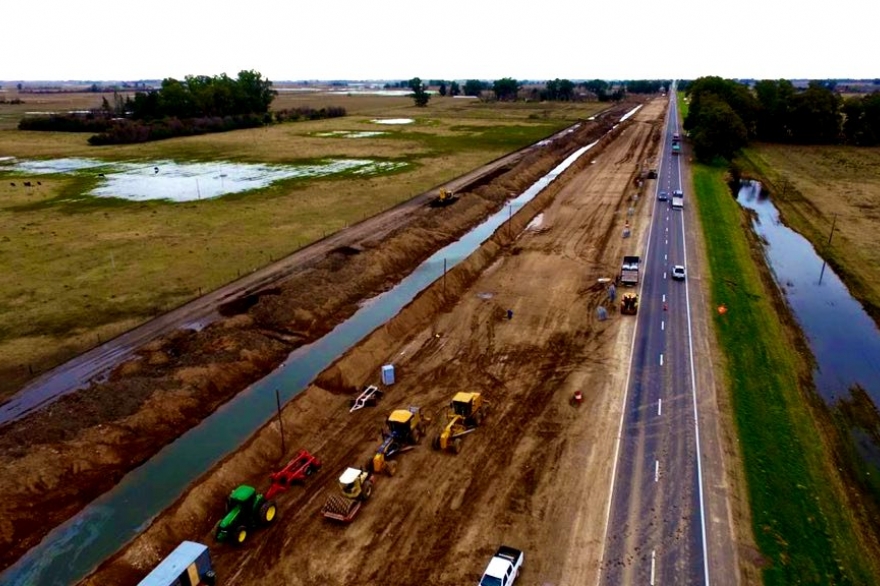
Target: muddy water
{"x": 844, "y": 339}
{"x": 70, "y": 551}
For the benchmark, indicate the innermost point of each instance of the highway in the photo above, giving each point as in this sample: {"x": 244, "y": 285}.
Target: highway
{"x": 656, "y": 526}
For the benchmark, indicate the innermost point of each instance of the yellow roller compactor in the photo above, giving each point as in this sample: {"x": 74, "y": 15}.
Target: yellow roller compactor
{"x": 465, "y": 414}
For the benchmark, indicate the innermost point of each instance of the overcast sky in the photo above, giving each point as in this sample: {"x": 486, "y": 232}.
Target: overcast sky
{"x": 439, "y": 39}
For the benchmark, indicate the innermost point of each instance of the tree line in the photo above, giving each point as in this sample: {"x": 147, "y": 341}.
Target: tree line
{"x": 508, "y": 89}
{"x": 724, "y": 115}
{"x": 197, "y": 105}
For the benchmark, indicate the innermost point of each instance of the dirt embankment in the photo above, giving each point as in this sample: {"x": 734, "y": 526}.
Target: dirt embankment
{"x": 535, "y": 475}
{"x": 60, "y": 459}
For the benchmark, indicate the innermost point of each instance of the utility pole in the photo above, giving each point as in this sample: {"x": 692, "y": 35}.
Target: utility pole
{"x": 280, "y": 422}
{"x": 827, "y": 246}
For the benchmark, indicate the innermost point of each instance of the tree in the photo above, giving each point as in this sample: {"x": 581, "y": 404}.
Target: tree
{"x": 815, "y": 116}
{"x": 861, "y": 124}
{"x": 255, "y": 93}
{"x": 474, "y": 87}
{"x": 559, "y": 89}
{"x": 419, "y": 95}
{"x": 566, "y": 90}
{"x": 454, "y": 89}
{"x": 551, "y": 90}
{"x": 505, "y": 88}
{"x": 774, "y": 98}
{"x": 733, "y": 93}
{"x": 442, "y": 88}
{"x": 718, "y": 131}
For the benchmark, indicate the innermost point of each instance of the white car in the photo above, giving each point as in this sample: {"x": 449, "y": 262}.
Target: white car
{"x": 678, "y": 273}
{"x": 503, "y": 568}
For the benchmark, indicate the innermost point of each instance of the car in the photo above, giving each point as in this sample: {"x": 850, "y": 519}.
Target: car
{"x": 678, "y": 273}
{"x": 503, "y": 568}
{"x": 678, "y": 193}
{"x": 663, "y": 196}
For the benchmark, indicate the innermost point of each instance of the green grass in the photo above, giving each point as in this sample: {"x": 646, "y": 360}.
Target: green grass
{"x": 801, "y": 522}
{"x": 683, "y": 105}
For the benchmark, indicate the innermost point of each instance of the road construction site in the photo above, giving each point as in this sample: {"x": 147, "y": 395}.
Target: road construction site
{"x": 517, "y": 322}
{"x": 536, "y": 472}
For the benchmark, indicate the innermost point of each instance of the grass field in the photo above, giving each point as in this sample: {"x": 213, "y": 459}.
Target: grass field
{"x": 802, "y": 522}
{"x": 86, "y": 271}
{"x": 811, "y": 186}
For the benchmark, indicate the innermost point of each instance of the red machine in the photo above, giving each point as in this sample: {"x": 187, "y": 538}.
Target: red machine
{"x": 303, "y": 465}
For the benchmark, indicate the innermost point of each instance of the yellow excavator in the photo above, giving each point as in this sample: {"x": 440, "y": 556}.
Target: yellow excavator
{"x": 629, "y": 304}
{"x": 465, "y": 414}
{"x": 403, "y": 430}
{"x": 444, "y": 198}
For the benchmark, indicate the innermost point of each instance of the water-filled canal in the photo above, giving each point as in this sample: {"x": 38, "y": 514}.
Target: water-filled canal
{"x": 844, "y": 339}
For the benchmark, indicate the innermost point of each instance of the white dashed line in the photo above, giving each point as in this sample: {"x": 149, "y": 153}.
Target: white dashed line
{"x": 653, "y": 563}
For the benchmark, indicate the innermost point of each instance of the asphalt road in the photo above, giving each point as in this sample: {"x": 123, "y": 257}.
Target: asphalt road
{"x": 656, "y": 530}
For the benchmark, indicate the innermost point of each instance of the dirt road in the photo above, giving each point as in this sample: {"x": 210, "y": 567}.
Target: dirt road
{"x": 536, "y": 475}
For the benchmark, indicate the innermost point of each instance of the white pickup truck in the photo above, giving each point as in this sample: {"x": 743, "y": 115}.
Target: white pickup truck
{"x": 503, "y": 567}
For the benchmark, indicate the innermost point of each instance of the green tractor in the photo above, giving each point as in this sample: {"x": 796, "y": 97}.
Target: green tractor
{"x": 245, "y": 510}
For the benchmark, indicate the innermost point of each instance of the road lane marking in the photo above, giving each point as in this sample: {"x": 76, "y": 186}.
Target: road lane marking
{"x": 653, "y": 564}
{"x": 661, "y": 360}
{"x": 623, "y": 411}
{"x": 662, "y": 325}
{"x": 656, "y": 470}
{"x": 687, "y": 298}
{"x": 664, "y": 298}
{"x": 659, "y": 406}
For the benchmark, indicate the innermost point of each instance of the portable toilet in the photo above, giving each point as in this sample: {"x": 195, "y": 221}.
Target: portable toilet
{"x": 388, "y": 374}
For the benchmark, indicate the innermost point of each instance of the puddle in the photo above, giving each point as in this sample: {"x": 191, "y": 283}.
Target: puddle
{"x": 393, "y": 121}
{"x": 351, "y": 133}
{"x": 364, "y": 92}
{"x": 181, "y": 182}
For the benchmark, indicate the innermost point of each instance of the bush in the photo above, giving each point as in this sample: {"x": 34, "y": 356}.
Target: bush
{"x": 130, "y": 131}
{"x": 67, "y": 123}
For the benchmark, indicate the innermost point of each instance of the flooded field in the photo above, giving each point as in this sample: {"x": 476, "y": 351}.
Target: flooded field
{"x": 181, "y": 182}
{"x": 393, "y": 121}
{"x": 351, "y": 133}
